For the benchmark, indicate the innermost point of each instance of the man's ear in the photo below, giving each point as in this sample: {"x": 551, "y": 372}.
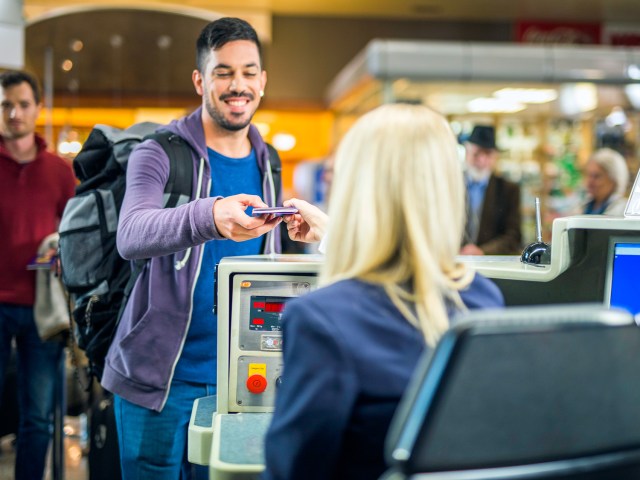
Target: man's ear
{"x": 196, "y": 78}
{"x": 263, "y": 79}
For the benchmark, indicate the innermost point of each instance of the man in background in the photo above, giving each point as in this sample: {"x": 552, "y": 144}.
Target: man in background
{"x": 493, "y": 203}
{"x": 34, "y": 188}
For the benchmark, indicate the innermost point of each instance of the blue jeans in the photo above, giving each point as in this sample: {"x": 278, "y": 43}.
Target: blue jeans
{"x": 153, "y": 445}
{"x": 38, "y": 367}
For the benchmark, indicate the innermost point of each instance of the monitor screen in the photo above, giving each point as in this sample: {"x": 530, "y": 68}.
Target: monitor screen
{"x": 622, "y": 274}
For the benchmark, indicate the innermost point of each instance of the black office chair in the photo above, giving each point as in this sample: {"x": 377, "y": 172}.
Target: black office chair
{"x": 524, "y": 393}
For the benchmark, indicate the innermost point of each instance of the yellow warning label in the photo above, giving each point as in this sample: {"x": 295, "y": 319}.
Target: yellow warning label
{"x": 258, "y": 369}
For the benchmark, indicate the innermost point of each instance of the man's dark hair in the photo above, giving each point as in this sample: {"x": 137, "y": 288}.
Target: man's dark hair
{"x": 11, "y": 78}
{"x": 219, "y": 32}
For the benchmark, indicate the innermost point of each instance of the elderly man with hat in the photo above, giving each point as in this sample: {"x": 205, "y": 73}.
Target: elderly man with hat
{"x": 493, "y": 203}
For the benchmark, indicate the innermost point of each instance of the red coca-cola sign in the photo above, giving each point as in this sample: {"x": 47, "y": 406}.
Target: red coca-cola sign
{"x": 627, "y": 39}
{"x": 558, "y": 33}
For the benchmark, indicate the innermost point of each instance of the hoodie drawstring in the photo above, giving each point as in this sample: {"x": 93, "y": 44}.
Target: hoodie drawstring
{"x": 179, "y": 264}
{"x": 272, "y": 187}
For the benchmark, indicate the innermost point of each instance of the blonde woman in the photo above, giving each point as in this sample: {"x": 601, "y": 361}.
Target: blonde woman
{"x": 390, "y": 284}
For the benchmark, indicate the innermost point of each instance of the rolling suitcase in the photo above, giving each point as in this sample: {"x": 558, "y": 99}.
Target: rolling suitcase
{"x": 9, "y": 402}
{"x": 104, "y": 456}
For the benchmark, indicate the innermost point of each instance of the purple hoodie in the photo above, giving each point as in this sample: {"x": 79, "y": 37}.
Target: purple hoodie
{"x": 151, "y": 333}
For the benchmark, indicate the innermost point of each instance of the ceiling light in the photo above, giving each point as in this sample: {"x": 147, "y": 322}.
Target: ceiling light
{"x": 527, "y": 95}
{"x": 67, "y": 65}
{"x": 494, "y": 105}
{"x": 116, "y": 40}
{"x": 616, "y": 118}
{"x": 284, "y": 141}
{"x": 69, "y": 148}
{"x": 633, "y": 71}
{"x": 76, "y": 45}
{"x": 578, "y": 98}
{"x": 633, "y": 93}
{"x": 164, "y": 42}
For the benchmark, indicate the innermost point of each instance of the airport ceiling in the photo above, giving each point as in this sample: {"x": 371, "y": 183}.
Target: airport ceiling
{"x": 108, "y": 73}
{"x": 473, "y": 10}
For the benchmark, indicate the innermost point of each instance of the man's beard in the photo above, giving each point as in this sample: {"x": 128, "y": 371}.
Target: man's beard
{"x": 219, "y": 117}
{"x": 12, "y": 134}
{"x": 478, "y": 175}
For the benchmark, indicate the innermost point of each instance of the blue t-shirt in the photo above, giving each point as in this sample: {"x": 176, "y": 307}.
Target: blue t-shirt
{"x": 230, "y": 176}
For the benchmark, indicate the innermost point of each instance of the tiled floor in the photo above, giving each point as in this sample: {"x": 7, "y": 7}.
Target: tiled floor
{"x": 75, "y": 461}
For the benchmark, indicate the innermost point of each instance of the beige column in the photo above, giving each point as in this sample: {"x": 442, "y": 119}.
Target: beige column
{"x": 11, "y": 34}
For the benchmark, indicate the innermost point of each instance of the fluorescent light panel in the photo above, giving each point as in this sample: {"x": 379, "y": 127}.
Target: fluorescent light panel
{"x": 494, "y": 105}
{"x": 527, "y": 95}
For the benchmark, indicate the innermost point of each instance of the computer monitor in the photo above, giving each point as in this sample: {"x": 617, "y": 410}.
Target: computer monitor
{"x": 623, "y": 265}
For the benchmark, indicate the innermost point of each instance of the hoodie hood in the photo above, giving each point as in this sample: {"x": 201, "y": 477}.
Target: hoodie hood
{"x": 191, "y": 130}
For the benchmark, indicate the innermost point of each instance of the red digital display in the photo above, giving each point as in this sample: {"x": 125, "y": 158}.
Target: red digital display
{"x": 266, "y": 312}
{"x": 276, "y": 307}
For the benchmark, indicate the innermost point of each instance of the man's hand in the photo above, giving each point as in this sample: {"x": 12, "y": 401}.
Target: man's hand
{"x": 308, "y": 225}
{"x": 233, "y": 223}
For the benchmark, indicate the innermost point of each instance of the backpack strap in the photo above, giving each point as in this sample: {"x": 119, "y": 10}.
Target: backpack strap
{"x": 276, "y": 168}
{"x": 179, "y": 183}
{"x": 180, "y": 180}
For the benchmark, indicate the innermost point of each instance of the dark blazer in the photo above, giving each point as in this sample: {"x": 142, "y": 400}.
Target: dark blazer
{"x": 348, "y": 356}
{"x": 499, "y": 230}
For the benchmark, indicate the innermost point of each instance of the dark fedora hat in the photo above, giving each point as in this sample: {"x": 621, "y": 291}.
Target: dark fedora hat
{"x": 484, "y": 136}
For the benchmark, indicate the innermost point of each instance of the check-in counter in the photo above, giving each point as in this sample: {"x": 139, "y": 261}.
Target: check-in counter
{"x": 581, "y": 253}
{"x": 227, "y": 430}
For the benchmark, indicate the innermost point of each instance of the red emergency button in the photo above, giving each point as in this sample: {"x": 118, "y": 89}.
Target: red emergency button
{"x": 256, "y": 384}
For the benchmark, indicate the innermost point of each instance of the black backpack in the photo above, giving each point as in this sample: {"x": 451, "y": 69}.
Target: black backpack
{"x": 97, "y": 278}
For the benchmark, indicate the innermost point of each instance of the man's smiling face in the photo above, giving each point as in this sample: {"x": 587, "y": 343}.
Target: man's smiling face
{"x": 231, "y": 84}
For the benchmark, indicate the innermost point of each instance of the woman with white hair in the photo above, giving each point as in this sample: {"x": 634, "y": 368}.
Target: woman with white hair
{"x": 606, "y": 182}
{"x": 390, "y": 284}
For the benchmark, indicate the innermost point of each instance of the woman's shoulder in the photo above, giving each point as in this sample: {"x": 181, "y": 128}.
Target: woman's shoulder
{"x": 331, "y": 304}
{"x": 616, "y": 206}
{"x": 336, "y": 295}
{"x": 482, "y": 293}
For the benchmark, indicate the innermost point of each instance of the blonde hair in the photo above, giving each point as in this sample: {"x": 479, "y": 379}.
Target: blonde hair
{"x": 614, "y": 166}
{"x": 397, "y": 212}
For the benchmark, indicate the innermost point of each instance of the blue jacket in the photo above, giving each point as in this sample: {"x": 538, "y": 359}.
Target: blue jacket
{"x": 348, "y": 357}
{"x": 151, "y": 333}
